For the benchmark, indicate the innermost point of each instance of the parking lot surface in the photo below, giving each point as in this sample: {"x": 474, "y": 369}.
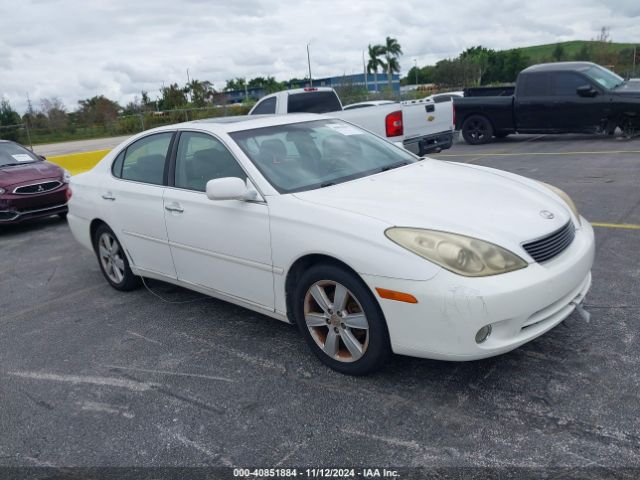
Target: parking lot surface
{"x": 91, "y": 376}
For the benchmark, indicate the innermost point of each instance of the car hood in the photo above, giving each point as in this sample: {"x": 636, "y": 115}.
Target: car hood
{"x": 28, "y": 172}
{"x": 496, "y": 206}
{"x": 629, "y": 88}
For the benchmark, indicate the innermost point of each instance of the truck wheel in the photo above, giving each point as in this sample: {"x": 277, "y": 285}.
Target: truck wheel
{"x": 477, "y": 130}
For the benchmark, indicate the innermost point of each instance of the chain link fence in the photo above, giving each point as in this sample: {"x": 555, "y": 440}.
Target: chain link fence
{"x": 121, "y": 125}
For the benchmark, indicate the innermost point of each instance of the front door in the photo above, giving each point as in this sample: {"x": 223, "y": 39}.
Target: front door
{"x": 571, "y": 112}
{"x": 221, "y": 245}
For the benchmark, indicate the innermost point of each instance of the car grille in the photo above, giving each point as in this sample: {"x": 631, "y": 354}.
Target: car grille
{"x": 552, "y": 245}
{"x": 37, "y": 188}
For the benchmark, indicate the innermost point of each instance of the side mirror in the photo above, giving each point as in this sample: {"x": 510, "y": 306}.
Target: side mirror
{"x": 586, "y": 91}
{"x": 229, "y": 188}
{"x": 42, "y": 157}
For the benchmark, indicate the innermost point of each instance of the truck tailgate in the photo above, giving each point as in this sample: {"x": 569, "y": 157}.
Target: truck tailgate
{"x": 424, "y": 117}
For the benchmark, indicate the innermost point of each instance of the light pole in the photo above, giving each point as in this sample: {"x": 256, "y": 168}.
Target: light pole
{"x": 309, "y": 63}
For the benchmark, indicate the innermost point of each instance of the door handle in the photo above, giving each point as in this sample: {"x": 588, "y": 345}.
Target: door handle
{"x": 174, "y": 207}
{"x": 108, "y": 196}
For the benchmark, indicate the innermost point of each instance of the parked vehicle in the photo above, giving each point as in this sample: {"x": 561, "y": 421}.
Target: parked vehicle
{"x": 314, "y": 221}
{"x": 445, "y": 96}
{"x": 564, "y": 97}
{"x": 372, "y": 103}
{"x": 419, "y": 127}
{"x": 30, "y": 187}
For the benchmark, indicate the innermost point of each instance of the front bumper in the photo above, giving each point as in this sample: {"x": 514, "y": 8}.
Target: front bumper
{"x": 17, "y": 216}
{"x": 16, "y": 208}
{"x": 519, "y": 306}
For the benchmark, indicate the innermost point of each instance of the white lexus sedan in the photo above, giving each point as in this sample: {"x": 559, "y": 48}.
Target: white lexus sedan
{"x": 368, "y": 249}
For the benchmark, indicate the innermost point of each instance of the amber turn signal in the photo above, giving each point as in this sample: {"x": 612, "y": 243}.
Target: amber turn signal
{"x": 398, "y": 296}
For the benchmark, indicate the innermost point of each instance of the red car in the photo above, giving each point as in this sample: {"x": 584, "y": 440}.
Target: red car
{"x": 30, "y": 187}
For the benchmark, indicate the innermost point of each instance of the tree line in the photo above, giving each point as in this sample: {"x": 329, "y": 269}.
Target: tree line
{"x": 483, "y": 66}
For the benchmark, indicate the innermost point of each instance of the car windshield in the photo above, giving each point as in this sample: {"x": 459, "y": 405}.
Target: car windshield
{"x": 320, "y": 153}
{"x": 14, "y": 154}
{"x": 604, "y": 77}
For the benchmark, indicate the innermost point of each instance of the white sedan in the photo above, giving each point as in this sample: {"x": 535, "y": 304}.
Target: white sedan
{"x": 367, "y": 248}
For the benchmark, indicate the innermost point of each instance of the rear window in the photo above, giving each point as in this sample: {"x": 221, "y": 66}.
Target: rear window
{"x": 313, "y": 102}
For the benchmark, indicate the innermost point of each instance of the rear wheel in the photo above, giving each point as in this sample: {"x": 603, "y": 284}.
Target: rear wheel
{"x": 113, "y": 260}
{"x": 477, "y": 130}
{"x": 341, "y": 320}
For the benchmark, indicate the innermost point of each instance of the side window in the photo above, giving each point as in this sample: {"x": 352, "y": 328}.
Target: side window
{"x": 116, "y": 167}
{"x": 201, "y": 158}
{"x": 566, "y": 83}
{"x": 441, "y": 98}
{"x": 534, "y": 85}
{"x": 144, "y": 160}
{"x": 265, "y": 107}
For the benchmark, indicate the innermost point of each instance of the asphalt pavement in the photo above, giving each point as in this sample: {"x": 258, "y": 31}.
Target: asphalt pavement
{"x": 90, "y": 376}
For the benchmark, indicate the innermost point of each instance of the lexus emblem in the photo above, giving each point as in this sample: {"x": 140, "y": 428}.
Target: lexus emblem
{"x": 40, "y": 189}
{"x": 547, "y": 214}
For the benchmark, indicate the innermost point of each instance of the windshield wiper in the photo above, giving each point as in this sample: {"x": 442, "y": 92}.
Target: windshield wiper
{"x": 13, "y": 164}
{"x": 393, "y": 165}
{"x": 327, "y": 184}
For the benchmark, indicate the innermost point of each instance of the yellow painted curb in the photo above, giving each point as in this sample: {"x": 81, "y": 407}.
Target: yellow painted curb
{"x": 627, "y": 226}
{"x": 79, "y": 162}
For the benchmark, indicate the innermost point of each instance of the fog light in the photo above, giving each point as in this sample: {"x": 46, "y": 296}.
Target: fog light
{"x": 483, "y": 334}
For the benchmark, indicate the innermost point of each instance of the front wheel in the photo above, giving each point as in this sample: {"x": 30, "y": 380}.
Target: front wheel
{"x": 477, "y": 130}
{"x": 341, "y": 320}
{"x": 113, "y": 260}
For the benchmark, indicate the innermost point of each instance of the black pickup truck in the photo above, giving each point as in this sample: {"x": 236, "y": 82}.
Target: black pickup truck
{"x": 563, "y": 97}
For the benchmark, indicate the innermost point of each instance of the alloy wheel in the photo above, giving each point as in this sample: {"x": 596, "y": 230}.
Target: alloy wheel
{"x": 111, "y": 257}
{"x": 336, "y": 320}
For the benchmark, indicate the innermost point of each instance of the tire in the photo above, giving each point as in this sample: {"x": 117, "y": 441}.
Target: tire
{"x": 477, "y": 130}
{"x": 113, "y": 261}
{"x": 335, "y": 335}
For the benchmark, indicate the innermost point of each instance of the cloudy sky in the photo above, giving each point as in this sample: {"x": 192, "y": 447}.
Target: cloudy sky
{"x": 74, "y": 49}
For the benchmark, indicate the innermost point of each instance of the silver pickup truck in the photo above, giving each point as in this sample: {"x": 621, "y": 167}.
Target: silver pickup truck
{"x": 420, "y": 126}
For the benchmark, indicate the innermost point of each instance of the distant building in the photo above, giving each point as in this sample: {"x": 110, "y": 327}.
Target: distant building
{"x": 358, "y": 80}
{"x": 353, "y": 81}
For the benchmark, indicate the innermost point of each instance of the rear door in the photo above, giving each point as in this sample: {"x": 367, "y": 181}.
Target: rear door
{"x": 133, "y": 206}
{"x": 533, "y": 101}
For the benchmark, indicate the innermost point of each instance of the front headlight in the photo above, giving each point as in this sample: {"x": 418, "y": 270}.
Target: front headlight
{"x": 566, "y": 198}
{"x": 65, "y": 175}
{"x": 457, "y": 253}
{"x": 2, "y": 191}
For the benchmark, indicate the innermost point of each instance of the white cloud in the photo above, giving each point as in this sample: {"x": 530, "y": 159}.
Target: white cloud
{"x": 75, "y": 49}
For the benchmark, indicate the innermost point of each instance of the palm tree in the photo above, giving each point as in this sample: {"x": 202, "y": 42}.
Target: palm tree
{"x": 375, "y": 51}
{"x": 391, "y": 51}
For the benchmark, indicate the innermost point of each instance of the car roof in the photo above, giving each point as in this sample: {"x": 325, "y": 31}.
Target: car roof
{"x": 559, "y": 67}
{"x": 241, "y": 122}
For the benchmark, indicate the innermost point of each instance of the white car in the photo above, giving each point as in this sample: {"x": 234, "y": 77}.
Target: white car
{"x": 314, "y": 221}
